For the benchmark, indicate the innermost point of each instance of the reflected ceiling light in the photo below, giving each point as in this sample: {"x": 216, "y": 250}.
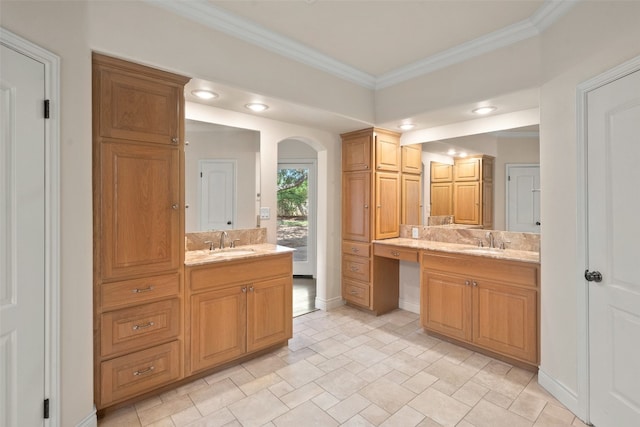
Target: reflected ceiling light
{"x": 407, "y": 126}
{"x": 484, "y": 110}
{"x": 463, "y": 154}
{"x": 451, "y": 152}
{"x": 257, "y": 107}
{"x": 204, "y": 94}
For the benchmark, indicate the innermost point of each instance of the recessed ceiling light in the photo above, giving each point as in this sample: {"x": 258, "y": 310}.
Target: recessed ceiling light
{"x": 463, "y": 154}
{"x": 257, "y": 107}
{"x": 407, "y": 126}
{"x": 204, "y": 94}
{"x": 451, "y": 152}
{"x": 484, "y": 110}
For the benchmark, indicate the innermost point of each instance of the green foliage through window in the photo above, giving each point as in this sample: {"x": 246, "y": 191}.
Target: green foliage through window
{"x": 292, "y": 192}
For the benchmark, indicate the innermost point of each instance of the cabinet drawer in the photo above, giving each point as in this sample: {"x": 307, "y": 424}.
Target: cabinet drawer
{"x": 136, "y": 373}
{"x": 356, "y": 267}
{"x": 357, "y": 293}
{"x": 357, "y": 249}
{"x": 236, "y": 272}
{"x": 137, "y": 291}
{"x": 138, "y": 327}
{"x": 512, "y": 272}
{"x": 396, "y": 252}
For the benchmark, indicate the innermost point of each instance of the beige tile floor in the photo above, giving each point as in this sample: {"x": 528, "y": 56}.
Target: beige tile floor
{"x": 349, "y": 368}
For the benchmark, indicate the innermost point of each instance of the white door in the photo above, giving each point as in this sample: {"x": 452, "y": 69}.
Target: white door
{"x": 296, "y": 214}
{"x": 523, "y": 198}
{"x": 217, "y": 194}
{"x": 22, "y": 234}
{"x": 613, "y": 160}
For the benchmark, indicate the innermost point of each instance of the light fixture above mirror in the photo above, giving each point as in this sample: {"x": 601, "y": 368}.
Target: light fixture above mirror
{"x": 484, "y": 110}
{"x": 257, "y": 107}
{"x": 204, "y": 94}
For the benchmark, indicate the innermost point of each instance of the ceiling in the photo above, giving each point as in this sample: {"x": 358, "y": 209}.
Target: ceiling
{"x": 374, "y": 43}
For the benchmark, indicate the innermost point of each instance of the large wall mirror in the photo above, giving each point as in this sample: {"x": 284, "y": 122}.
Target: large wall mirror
{"x": 222, "y": 177}
{"x": 514, "y": 150}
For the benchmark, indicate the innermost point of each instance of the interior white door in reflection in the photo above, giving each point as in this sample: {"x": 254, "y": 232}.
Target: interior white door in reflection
{"x": 217, "y": 194}
{"x": 523, "y": 198}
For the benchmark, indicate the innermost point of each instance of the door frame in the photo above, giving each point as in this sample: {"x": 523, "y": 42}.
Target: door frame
{"x": 51, "y": 64}
{"x": 312, "y": 237}
{"x": 582, "y": 286}
{"x": 508, "y": 167}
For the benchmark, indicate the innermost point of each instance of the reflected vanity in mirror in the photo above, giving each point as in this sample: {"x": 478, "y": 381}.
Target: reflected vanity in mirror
{"x": 512, "y": 157}
{"x": 222, "y": 177}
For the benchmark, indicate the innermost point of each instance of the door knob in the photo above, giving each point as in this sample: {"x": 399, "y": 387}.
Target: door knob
{"x": 593, "y": 276}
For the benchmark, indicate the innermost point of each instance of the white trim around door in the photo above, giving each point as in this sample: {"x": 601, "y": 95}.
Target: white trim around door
{"x": 52, "y": 217}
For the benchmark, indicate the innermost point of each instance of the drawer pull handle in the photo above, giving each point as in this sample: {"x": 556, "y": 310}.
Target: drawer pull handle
{"x": 395, "y": 253}
{"x": 145, "y": 326}
{"x": 355, "y": 250}
{"x": 144, "y": 371}
{"x": 354, "y": 268}
{"x": 354, "y": 292}
{"x": 141, "y": 290}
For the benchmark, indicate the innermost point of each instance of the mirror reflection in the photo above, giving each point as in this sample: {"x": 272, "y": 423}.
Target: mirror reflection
{"x": 515, "y": 182}
{"x": 222, "y": 177}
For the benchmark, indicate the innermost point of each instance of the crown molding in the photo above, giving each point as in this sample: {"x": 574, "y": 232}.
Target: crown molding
{"x": 219, "y": 19}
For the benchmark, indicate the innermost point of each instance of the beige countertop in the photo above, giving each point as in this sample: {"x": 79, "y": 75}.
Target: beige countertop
{"x": 205, "y": 256}
{"x": 506, "y": 254}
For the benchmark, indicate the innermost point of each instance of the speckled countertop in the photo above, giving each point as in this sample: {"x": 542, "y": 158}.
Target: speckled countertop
{"x": 205, "y": 256}
{"x": 463, "y": 249}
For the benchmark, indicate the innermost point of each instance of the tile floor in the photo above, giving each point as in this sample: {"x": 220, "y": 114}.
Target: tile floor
{"x": 346, "y": 367}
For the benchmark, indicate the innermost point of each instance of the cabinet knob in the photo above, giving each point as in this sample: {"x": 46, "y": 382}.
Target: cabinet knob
{"x": 475, "y": 283}
{"x": 174, "y": 140}
{"x": 250, "y": 288}
{"x": 174, "y": 206}
{"x": 366, "y": 206}
{"x": 467, "y": 283}
{"x": 395, "y": 253}
{"x": 244, "y": 290}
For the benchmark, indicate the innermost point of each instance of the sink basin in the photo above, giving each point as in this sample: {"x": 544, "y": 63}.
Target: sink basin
{"x": 233, "y": 252}
{"x": 482, "y": 251}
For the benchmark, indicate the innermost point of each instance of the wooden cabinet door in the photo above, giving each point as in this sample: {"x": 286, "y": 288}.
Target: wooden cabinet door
{"x": 487, "y": 204}
{"x": 269, "y": 312}
{"x": 466, "y": 202}
{"x": 387, "y": 215}
{"x": 445, "y": 304}
{"x": 140, "y": 212}
{"x": 466, "y": 169}
{"x": 505, "y": 320}
{"x": 412, "y": 159}
{"x": 441, "y": 172}
{"x": 441, "y": 199}
{"x": 387, "y": 152}
{"x": 218, "y": 327}
{"x": 411, "y": 200}
{"x": 356, "y": 153}
{"x": 356, "y": 206}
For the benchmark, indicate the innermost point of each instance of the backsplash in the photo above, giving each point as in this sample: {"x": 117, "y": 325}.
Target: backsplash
{"x": 513, "y": 240}
{"x": 249, "y": 236}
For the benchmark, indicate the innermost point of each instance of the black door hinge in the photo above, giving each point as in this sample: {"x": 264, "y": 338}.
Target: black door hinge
{"x": 200, "y": 174}
{"x": 46, "y": 409}
{"x": 46, "y": 108}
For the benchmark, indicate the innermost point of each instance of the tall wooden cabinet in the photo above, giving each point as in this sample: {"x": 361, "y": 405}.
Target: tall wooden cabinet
{"x": 138, "y": 200}
{"x": 411, "y": 191}
{"x": 464, "y": 190}
{"x": 371, "y": 185}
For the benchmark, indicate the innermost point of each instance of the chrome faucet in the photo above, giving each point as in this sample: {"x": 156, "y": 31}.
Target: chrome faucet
{"x": 492, "y": 240}
{"x": 222, "y": 236}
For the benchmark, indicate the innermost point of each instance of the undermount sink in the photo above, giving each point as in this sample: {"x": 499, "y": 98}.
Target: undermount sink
{"x": 233, "y": 252}
{"x": 482, "y": 251}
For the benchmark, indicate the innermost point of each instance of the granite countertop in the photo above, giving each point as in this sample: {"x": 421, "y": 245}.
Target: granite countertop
{"x": 463, "y": 249}
{"x": 205, "y": 256}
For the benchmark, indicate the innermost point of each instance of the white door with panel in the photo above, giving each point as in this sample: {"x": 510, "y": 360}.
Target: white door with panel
{"x": 613, "y": 156}
{"x": 217, "y": 194}
{"x": 22, "y": 235}
{"x": 523, "y": 198}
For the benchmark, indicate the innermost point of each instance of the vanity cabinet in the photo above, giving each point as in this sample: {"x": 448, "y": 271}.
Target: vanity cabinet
{"x": 411, "y": 185}
{"x": 237, "y": 308}
{"x": 473, "y": 191}
{"x": 488, "y": 303}
{"x": 138, "y": 115}
{"x": 371, "y": 188}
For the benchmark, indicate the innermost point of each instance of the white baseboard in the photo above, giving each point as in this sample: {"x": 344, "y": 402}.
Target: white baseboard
{"x": 409, "y": 306}
{"x": 560, "y": 392}
{"x": 90, "y": 420}
{"x": 329, "y": 304}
